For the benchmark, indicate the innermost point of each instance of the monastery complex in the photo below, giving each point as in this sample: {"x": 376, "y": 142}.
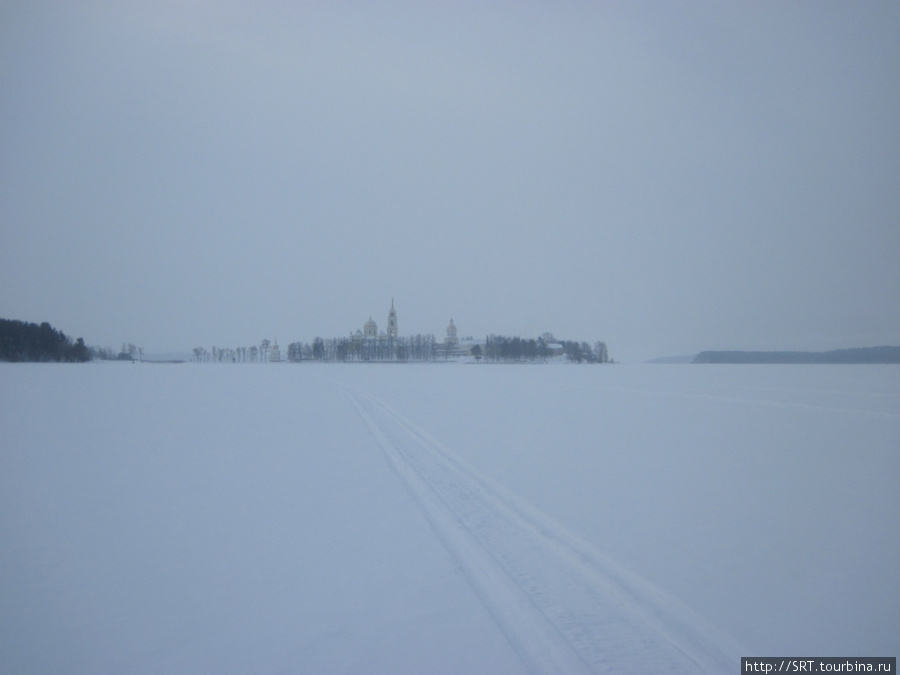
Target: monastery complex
{"x": 369, "y": 344}
{"x": 450, "y": 346}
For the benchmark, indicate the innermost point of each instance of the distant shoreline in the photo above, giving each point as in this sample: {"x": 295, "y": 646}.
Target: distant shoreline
{"x": 863, "y": 355}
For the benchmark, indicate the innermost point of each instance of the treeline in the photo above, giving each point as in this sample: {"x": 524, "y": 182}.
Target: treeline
{"x": 421, "y": 348}
{"x": 252, "y": 354}
{"x": 403, "y": 349}
{"x": 128, "y": 352}
{"x": 499, "y": 348}
{"x": 862, "y": 355}
{"x": 21, "y": 341}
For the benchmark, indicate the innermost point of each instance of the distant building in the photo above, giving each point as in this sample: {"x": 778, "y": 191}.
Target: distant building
{"x": 452, "y": 345}
{"x": 451, "y": 341}
{"x": 370, "y": 329}
{"x": 392, "y": 329}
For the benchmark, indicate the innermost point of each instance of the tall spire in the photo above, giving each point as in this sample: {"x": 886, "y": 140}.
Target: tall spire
{"x": 392, "y": 330}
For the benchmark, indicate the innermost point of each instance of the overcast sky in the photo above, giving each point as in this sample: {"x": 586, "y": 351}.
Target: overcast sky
{"x": 667, "y": 177}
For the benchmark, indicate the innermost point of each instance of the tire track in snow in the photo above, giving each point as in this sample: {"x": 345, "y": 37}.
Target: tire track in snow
{"x": 562, "y": 605}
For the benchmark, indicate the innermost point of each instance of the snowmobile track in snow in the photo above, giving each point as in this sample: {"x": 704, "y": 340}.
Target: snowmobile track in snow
{"x": 562, "y": 605}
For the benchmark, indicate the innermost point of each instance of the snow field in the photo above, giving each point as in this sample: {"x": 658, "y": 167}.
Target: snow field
{"x": 763, "y": 497}
{"x": 563, "y": 607}
{"x": 185, "y": 518}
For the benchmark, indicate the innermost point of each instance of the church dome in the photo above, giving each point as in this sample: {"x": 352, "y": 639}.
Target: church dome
{"x": 371, "y": 328}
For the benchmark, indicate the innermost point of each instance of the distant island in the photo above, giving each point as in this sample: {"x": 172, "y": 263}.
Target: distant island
{"x": 371, "y": 345}
{"x": 861, "y": 355}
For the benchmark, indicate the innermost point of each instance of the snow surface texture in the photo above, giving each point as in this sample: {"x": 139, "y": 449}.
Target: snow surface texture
{"x": 445, "y": 518}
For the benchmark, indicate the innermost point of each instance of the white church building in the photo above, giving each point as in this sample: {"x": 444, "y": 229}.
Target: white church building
{"x": 449, "y": 346}
{"x": 370, "y": 328}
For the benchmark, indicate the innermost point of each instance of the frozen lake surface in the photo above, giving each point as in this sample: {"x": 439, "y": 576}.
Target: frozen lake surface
{"x": 445, "y": 518}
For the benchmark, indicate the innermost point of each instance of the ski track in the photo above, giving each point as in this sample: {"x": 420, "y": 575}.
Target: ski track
{"x": 562, "y": 605}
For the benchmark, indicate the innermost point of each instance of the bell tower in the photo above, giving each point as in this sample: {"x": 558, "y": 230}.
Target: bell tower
{"x": 451, "y": 340}
{"x": 392, "y": 322}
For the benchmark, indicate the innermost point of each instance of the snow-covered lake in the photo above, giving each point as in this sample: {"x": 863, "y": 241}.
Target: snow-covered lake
{"x": 445, "y": 518}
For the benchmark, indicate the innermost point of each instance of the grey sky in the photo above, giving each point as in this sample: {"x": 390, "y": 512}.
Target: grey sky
{"x": 667, "y": 177}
